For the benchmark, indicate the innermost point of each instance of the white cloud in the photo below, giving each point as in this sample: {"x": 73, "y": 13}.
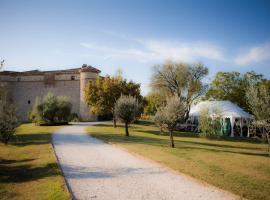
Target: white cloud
{"x": 254, "y": 54}
{"x": 156, "y": 50}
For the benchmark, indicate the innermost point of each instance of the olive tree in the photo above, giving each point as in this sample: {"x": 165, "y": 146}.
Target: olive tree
{"x": 258, "y": 97}
{"x": 8, "y": 118}
{"x": 126, "y": 110}
{"x": 172, "y": 113}
{"x": 51, "y": 109}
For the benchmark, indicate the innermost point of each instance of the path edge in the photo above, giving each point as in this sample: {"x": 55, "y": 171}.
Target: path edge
{"x": 67, "y": 186}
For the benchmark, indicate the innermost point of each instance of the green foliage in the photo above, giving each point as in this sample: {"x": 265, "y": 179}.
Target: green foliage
{"x": 168, "y": 116}
{"x": 181, "y": 79}
{"x": 73, "y": 117}
{"x": 153, "y": 102}
{"x": 102, "y": 95}
{"x": 126, "y": 110}
{"x": 232, "y": 86}
{"x": 51, "y": 109}
{"x": 8, "y": 118}
{"x": 258, "y": 98}
{"x": 209, "y": 126}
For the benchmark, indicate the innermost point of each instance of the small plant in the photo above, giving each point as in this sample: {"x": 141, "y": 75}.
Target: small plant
{"x": 126, "y": 110}
{"x": 8, "y": 118}
{"x": 73, "y": 117}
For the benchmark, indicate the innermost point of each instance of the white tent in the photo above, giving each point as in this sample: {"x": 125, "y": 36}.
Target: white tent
{"x": 227, "y": 109}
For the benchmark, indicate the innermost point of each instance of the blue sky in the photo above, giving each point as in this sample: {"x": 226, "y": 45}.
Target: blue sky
{"x": 229, "y": 35}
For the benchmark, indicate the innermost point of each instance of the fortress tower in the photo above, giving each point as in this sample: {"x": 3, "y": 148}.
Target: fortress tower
{"x": 24, "y": 87}
{"x": 86, "y": 75}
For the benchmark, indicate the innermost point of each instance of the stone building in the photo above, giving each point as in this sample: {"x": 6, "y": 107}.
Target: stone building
{"x": 24, "y": 87}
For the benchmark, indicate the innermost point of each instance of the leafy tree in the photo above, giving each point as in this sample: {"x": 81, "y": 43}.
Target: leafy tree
{"x": 258, "y": 97}
{"x": 153, "y": 102}
{"x": 102, "y": 94}
{"x": 8, "y": 118}
{"x": 171, "y": 114}
{"x": 126, "y": 110}
{"x": 232, "y": 86}
{"x": 51, "y": 109}
{"x": 181, "y": 79}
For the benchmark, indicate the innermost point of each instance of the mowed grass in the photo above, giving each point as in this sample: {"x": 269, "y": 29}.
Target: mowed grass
{"x": 28, "y": 166}
{"x": 237, "y": 165}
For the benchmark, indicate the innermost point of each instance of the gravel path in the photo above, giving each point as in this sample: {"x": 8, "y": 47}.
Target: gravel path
{"x": 96, "y": 170}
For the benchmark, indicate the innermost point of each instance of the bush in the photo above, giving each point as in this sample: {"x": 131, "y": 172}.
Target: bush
{"x": 209, "y": 127}
{"x": 8, "y": 118}
{"x": 51, "y": 109}
{"x": 73, "y": 117}
{"x": 126, "y": 110}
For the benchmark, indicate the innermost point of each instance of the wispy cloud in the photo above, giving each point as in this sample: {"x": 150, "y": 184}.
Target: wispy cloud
{"x": 155, "y": 50}
{"x": 254, "y": 54}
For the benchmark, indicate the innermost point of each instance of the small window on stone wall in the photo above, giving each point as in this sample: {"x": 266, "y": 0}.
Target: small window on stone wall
{"x": 72, "y": 78}
{"x": 29, "y": 102}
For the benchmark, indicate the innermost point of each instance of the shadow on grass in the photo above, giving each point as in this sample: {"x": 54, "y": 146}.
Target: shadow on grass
{"x": 31, "y": 139}
{"x": 189, "y": 145}
{"x": 25, "y": 172}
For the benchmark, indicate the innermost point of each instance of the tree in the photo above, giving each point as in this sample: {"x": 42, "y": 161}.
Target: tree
{"x": 102, "y": 94}
{"x": 153, "y": 102}
{"x": 181, "y": 79}
{"x": 258, "y": 98}
{"x": 232, "y": 86}
{"x": 126, "y": 110}
{"x": 8, "y": 118}
{"x": 51, "y": 109}
{"x": 172, "y": 113}
{"x": 1, "y": 64}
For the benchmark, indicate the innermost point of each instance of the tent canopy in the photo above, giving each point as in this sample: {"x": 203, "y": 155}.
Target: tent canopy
{"x": 226, "y": 109}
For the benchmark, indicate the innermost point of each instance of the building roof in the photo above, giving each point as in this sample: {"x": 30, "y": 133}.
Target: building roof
{"x": 84, "y": 68}
{"x": 227, "y": 109}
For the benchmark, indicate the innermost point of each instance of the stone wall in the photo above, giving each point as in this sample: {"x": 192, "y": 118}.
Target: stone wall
{"x": 24, "y": 90}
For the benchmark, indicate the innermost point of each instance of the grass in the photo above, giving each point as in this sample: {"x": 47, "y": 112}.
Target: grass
{"x": 28, "y": 166}
{"x": 235, "y": 164}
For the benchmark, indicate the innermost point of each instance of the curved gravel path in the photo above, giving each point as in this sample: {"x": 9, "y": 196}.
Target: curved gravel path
{"x": 96, "y": 170}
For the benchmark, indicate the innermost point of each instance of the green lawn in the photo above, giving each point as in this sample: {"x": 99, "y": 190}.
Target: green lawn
{"x": 28, "y": 167}
{"x": 237, "y": 165}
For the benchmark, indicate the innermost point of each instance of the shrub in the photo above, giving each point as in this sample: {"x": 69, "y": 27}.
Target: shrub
{"x": 51, "y": 109}
{"x": 8, "y": 118}
{"x": 73, "y": 117}
{"x": 209, "y": 126}
{"x": 126, "y": 110}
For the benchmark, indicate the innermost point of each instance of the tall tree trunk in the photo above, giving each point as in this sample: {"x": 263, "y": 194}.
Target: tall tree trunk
{"x": 126, "y": 127}
{"x": 171, "y": 138}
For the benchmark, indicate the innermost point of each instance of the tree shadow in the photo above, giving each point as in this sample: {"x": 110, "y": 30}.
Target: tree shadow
{"x": 26, "y": 172}
{"x": 164, "y": 142}
{"x": 79, "y": 172}
{"x": 31, "y": 139}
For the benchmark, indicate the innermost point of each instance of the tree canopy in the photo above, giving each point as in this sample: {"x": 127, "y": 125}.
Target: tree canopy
{"x": 102, "y": 94}
{"x": 232, "y": 86}
{"x": 181, "y": 79}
